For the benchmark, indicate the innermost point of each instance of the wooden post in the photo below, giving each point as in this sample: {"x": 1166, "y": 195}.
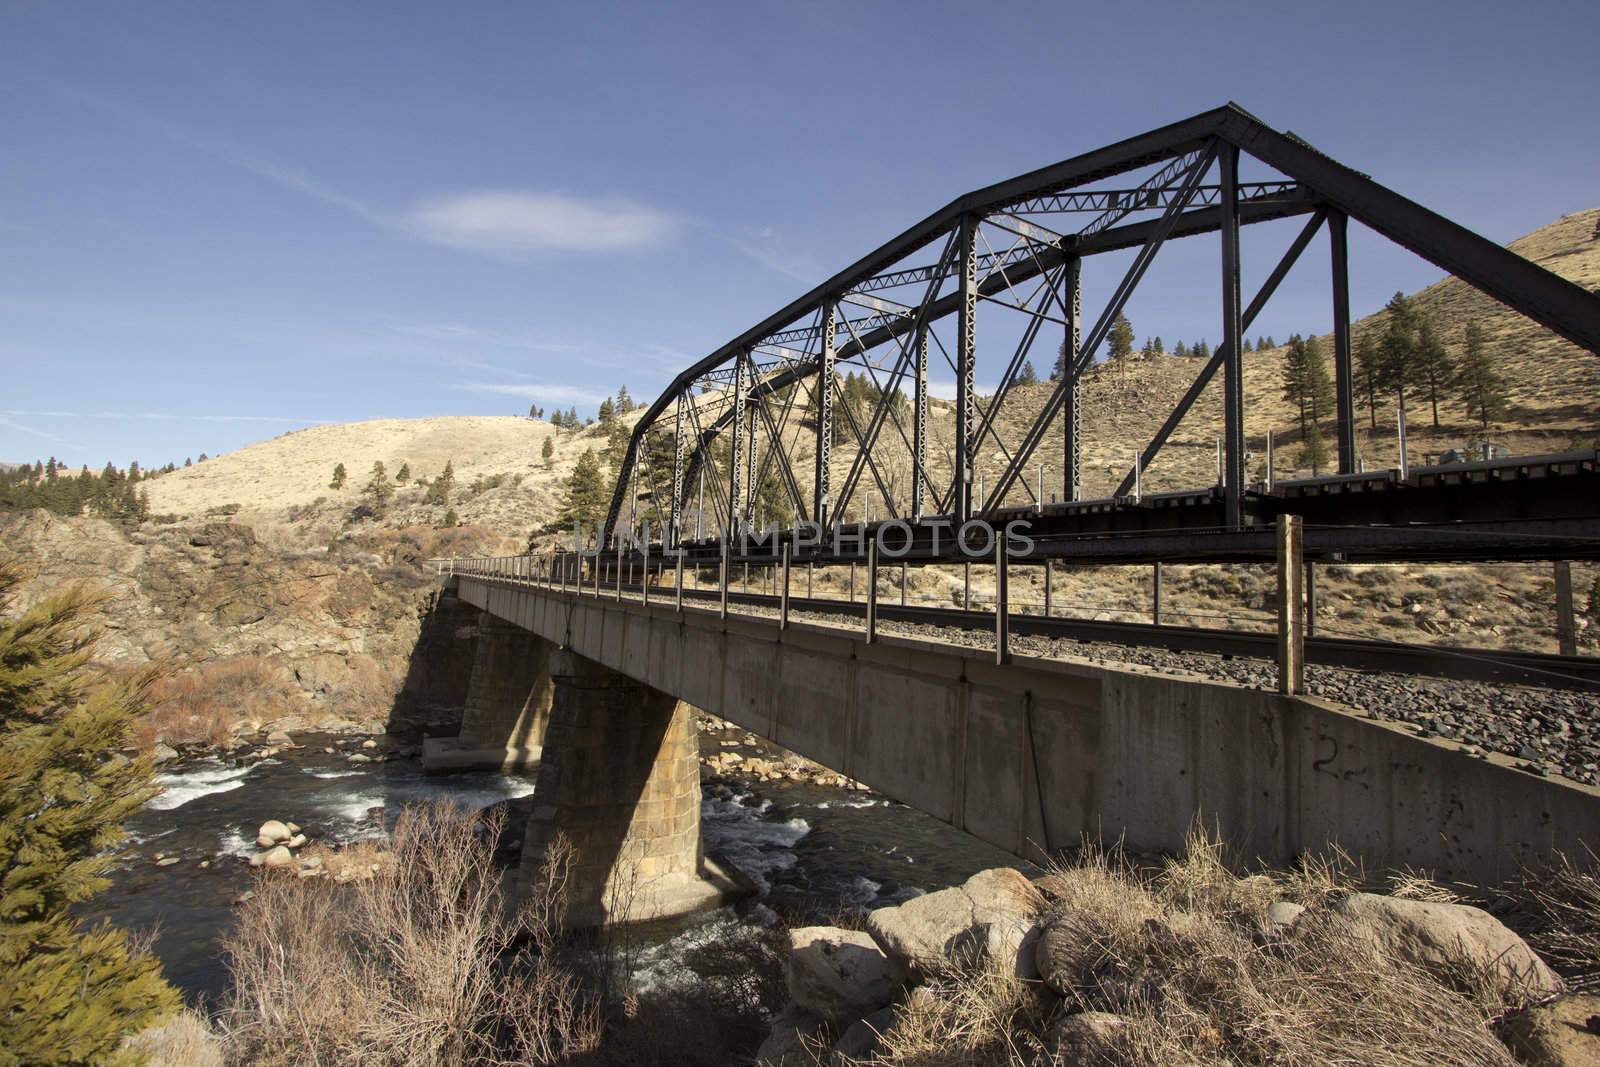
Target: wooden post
{"x": 872, "y": 590}
{"x": 966, "y": 586}
{"x": 1002, "y": 634}
{"x": 1155, "y": 593}
{"x": 1291, "y": 607}
{"x": 1049, "y": 582}
{"x": 1566, "y": 624}
{"x": 902, "y": 585}
{"x": 783, "y": 595}
{"x": 852, "y": 581}
{"x": 811, "y": 570}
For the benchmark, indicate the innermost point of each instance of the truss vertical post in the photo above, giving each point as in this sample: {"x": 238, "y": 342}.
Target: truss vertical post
{"x": 1071, "y": 413}
{"x": 676, "y": 528}
{"x": 966, "y": 369}
{"x": 1344, "y": 390}
{"x": 736, "y": 457}
{"x": 822, "y": 487}
{"x": 919, "y": 432}
{"x": 645, "y": 550}
{"x": 750, "y": 457}
{"x": 872, "y": 590}
{"x": 722, "y": 585}
{"x": 1232, "y": 327}
{"x": 1049, "y": 582}
{"x": 1155, "y": 592}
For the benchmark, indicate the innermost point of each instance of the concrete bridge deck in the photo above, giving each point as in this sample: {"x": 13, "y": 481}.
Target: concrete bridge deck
{"x": 1036, "y": 754}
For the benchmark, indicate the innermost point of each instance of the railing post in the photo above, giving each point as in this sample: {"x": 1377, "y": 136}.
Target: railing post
{"x": 1002, "y": 600}
{"x": 679, "y": 593}
{"x": 1155, "y": 592}
{"x": 646, "y": 554}
{"x": 811, "y": 570}
{"x": 1291, "y": 607}
{"x": 723, "y": 584}
{"x": 783, "y": 595}
{"x": 1566, "y": 624}
{"x": 872, "y": 590}
{"x": 966, "y": 586}
{"x": 902, "y": 585}
{"x": 619, "y": 572}
{"x": 1311, "y": 598}
{"x": 852, "y": 581}
{"x": 1049, "y": 583}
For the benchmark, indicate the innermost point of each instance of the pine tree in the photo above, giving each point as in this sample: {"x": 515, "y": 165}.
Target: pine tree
{"x": 339, "y": 477}
{"x": 586, "y": 498}
{"x": 450, "y": 520}
{"x": 439, "y": 489}
{"x": 1247, "y": 347}
{"x": 203, "y": 457}
{"x": 1367, "y": 376}
{"x": 71, "y": 992}
{"x": 1435, "y": 368}
{"x": 607, "y": 412}
{"x": 624, "y": 401}
{"x": 405, "y": 474}
{"x": 1305, "y": 380}
{"x": 1059, "y": 371}
{"x": 548, "y": 453}
{"x": 1482, "y": 389}
{"x": 378, "y": 489}
{"x": 1314, "y": 452}
{"x": 1399, "y": 360}
{"x": 1159, "y": 349}
{"x": 1121, "y": 337}
{"x": 1027, "y": 376}
{"x": 1181, "y": 350}
{"x": 572, "y": 419}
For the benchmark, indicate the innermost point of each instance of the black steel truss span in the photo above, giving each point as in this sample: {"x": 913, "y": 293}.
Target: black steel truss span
{"x": 730, "y": 419}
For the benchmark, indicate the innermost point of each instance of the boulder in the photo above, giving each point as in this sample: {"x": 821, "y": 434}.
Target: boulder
{"x": 860, "y": 1039}
{"x": 276, "y": 856}
{"x": 796, "y": 1034}
{"x": 1087, "y": 1039}
{"x": 163, "y": 753}
{"x": 1558, "y": 1034}
{"x": 989, "y": 917}
{"x": 297, "y": 841}
{"x": 1439, "y": 938}
{"x": 1278, "y": 921}
{"x": 837, "y": 974}
{"x": 279, "y": 737}
{"x": 272, "y": 832}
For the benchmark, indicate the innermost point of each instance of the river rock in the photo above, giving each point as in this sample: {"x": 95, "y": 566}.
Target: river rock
{"x": 276, "y": 856}
{"x": 279, "y": 737}
{"x": 1087, "y": 1039}
{"x": 989, "y": 917}
{"x": 796, "y": 1033}
{"x": 272, "y": 832}
{"x": 163, "y": 753}
{"x": 1558, "y": 1034}
{"x": 297, "y": 841}
{"x": 839, "y": 974}
{"x": 1440, "y": 937}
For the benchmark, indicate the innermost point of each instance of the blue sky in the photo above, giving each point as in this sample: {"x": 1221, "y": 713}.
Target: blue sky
{"x": 219, "y": 222}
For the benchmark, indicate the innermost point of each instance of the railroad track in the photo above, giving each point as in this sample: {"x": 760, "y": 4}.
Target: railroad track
{"x": 1440, "y": 661}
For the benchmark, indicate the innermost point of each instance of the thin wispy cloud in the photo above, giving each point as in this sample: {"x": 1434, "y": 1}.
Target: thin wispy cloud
{"x": 553, "y": 394}
{"x": 495, "y": 222}
{"x": 31, "y": 432}
{"x": 513, "y": 221}
{"x": 766, "y": 247}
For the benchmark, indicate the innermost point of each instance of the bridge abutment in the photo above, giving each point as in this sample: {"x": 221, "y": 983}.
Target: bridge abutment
{"x": 620, "y": 779}
{"x": 508, "y": 704}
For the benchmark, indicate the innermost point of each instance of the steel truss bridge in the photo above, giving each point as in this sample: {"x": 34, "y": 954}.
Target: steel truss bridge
{"x": 724, "y": 429}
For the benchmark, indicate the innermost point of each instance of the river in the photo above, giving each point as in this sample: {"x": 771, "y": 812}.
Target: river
{"x": 811, "y": 850}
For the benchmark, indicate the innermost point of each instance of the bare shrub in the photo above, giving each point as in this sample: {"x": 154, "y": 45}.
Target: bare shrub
{"x": 414, "y": 965}
{"x": 185, "y": 1040}
{"x": 204, "y": 704}
{"x": 1558, "y": 909}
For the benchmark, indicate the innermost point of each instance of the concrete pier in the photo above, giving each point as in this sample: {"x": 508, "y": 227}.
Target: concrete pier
{"x": 507, "y": 707}
{"x": 621, "y": 780}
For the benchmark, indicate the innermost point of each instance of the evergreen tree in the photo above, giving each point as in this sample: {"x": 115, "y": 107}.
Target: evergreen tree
{"x": 1314, "y": 452}
{"x": 548, "y": 452}
{"x": 204, "y": 457}
{"x": 1399, "y": 351}
{"x": 1202, "y": 349}
{"x": 1059, "y": 371}
{"x": 586, "y": 499}
{"x": 1482, "y": 389}
{"x": 1120, "y": 337}
{"x": 572, "y": 419}
{"x": 405, "y": 474}
{"x": 1435, "y": 368}
{"x": 71, "y": 991}
{"x": 1247, "y": 346}
{"x": 339, "y": 477}
{"x": 450, "y": 520}
{"x": 1305, "y": 380}
{"x": 187, "y": 462}
{"x": 1367, "y": 374}
{"x": 607, "y": 412}
{"x": 1181, "y": 350}
{"x": 378, "y": 489}
{"x": 1159, "y": 349}
{"x": 439, "y": 489}
{"x": 625, "y": 403}
{"x": 1027, "y": 376}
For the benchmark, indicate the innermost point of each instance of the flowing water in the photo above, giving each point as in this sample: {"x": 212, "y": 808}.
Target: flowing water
{"x": 811, "y": 850}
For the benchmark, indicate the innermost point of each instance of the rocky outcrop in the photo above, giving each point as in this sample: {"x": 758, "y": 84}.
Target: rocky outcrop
{"x": 990, "y": 917}
{"x": 1563, "y": 1033}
